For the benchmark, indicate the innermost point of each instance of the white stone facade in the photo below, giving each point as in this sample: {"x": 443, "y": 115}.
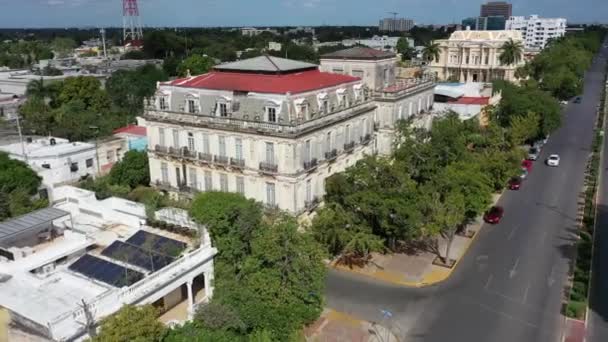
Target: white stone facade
{"x": 537, "y": 31}
{"x": 473, "y": 56}
{"x": 376, "y": 74}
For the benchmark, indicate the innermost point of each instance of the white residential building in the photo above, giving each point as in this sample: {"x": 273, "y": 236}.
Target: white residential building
{"x": 9, "y": 106}
{"x": 474, "y": 56}
{"x": 58, "y": 161}
{"x": 537, "y": 31}
{"x": 270, "y": 128}
{"x": 63, "y": 269}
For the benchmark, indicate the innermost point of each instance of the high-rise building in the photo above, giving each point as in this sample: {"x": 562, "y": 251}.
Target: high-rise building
{"x": 494, "y": 23}
{"x": 496, "y": 8}
{"x": 396, "y": 24}
{"x": 537, "y": 31}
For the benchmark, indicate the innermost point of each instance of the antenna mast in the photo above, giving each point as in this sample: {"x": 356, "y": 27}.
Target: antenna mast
{"x": 131, "y": 23}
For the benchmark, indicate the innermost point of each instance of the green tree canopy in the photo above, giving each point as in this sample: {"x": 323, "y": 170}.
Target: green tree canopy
{"x": 512, "y": 52}
{"x": 63, "y": 46}
{"x": 195, "y": 65}
{"x": 132, "y": 323}
{"x": 132, "y": 170}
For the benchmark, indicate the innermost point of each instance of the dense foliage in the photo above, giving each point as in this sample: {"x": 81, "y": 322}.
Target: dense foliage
{"x": 132, "y": 323}
{"x": 269, "y": 278}
{"x": 79, "y": 108}
{"x": 435, "y": 182}
{"x": 132, "y": 170}
{"x": 18, "y": 186}
{"x": 560, "y": 67}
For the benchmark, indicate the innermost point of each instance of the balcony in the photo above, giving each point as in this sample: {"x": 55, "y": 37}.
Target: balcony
{"x": 205, "y": 157}
{"x": 312, "y": 204}
{"x": 221, "y": 160}
{"x": 237, "y": 163}
{"x": 266, "y": 167}
{"x": 366, "y": 139}
{"x": 160, "y": 149}
{"x": 331, "y": 155}
{"x": 188, "y": 153}
{"x": 349, "y": 147}
{"x": 163, "y": 185}
{"x": 249, "y": 125}
{"x": 310, "y": 165}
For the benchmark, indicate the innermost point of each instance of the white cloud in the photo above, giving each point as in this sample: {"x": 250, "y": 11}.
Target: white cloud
{"x": 311, "y": 3}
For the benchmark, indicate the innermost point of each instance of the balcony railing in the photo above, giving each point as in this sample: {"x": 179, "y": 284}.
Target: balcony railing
{"x": 205, "y": 157}
{"x": 349, "y": 147}
{"x": 187, "y": 153}
{"x": 238, "y": 163}
{"x": 160, "y": 149}
{"x": 311, "y": 164}
{"x": 278, "y": 128}
{"x": 174, "y": 151}
{"x": 331, "y": 155}
{"x": 163, "y": 185}
{"x": 366, "y": 139}
{"x": 222, "y": 160}
{"x": 269, "y": 167}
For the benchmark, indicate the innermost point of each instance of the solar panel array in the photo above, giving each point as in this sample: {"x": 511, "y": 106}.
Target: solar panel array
{"x": 105, "y": 271}
{"x": 160, "y": 244}
{"x": 134, "y": 255}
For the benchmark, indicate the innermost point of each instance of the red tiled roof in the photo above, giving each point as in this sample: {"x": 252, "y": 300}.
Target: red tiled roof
{"x": 132, "y": 129}
{"x": 472, "y": 100}
{"x": 297, "y": 82}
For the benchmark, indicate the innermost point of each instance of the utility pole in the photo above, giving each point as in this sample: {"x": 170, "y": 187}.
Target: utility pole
{"x": 96, "y": 148}
{"x": 21, "y": 140}
{"x": 103, "y": 41}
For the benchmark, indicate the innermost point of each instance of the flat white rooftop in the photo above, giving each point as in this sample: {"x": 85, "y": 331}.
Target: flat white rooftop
{"x": 41, "y": 148}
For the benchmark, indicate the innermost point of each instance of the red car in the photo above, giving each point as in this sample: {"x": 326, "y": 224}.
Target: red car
{"x": 527, "y": 164}
{"x": 493, "y": 215}
{"x": 515, "y": 183}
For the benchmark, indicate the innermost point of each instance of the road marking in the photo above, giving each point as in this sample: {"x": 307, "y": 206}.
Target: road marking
{"x": 526, "y": 293}
{"x": 513, "y": 270}
{"x": 512, "y": 232}
{"x": 488, "y": 283}
{"x": 507, "y": 316}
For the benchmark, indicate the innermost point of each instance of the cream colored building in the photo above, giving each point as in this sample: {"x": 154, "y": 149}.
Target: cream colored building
{"x": 473, "y": 56}
{"x": 396, "y": 98}
{"x": 274, "y": 129}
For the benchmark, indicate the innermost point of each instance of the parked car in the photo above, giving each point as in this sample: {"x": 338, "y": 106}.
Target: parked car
{"x": 564, "y": 103}
{"x": 553, "y": 160}
{"x": 524, "y": 173}
{"x": 493, "y": 215}
{"x": 577, "y": 99}
{"x": 515, "y": 183}
{"x": 533, "y": 153}
{"x": 526, "y": 164}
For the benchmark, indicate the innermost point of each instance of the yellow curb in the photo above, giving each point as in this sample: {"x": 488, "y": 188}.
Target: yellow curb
{"x": 342, "y": 317}
{"x": 433, "y": 277}
{"x": 4, "y": 321}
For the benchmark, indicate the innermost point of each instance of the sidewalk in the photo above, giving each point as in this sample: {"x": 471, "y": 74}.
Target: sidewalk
{"x": 335, "y": 326}
{"x": 415, "y": 268}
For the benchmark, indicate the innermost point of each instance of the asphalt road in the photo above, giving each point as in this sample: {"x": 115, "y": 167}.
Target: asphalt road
{"x": 597, "y": 330}
{"x": 509, "y": 285}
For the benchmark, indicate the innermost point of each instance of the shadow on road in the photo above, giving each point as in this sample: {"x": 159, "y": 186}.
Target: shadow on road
{"x": 598, "y": 299}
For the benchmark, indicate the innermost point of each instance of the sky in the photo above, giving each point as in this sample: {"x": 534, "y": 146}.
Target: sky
{"x": 98, "y": 13}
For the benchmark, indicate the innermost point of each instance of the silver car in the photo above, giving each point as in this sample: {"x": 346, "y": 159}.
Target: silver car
{"x": 533, "y": 153}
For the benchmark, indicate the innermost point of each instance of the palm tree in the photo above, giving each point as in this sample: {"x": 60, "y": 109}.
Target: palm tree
{"x": 511, "y": 52}
{"x": 36, "y": 88}
{"x": 430, "y": 51}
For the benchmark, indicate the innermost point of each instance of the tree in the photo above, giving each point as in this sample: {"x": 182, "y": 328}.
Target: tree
{"x": 63, "y": 46}
{"x": 127, "y": 89}
{"x": 195, "y": 65}
{"x": 404, "y": 48}
{"x": 37, "y": 115}
{"x": 86, "y": 89}
{"x": 132, "y": 170}
{"x": 431, "y": 51}
{"x": 524, "y": 128}
{"x": 132, "y": 323}
{"x": 512, "y": 52}
{"x": 448, "y": 214}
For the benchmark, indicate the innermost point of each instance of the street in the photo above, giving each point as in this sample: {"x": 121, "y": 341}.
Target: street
{"x": 509, "y": 286}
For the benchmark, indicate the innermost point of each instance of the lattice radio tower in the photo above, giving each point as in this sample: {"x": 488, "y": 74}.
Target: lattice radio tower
{"x": 131, "y": 22}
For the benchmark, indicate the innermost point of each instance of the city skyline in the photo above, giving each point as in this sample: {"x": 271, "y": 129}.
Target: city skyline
{"x": 192, "y": 13}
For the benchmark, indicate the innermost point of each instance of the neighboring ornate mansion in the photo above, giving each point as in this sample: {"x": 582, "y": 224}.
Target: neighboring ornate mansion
{"x": 473, "y": 56}
{"x": 274, "y": 129}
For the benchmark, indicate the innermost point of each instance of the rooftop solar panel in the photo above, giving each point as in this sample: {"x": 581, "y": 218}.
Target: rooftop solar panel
{"x": 160, "y": 244}
{"x": 134, "y": 255}
{"x": 105, "y": 271}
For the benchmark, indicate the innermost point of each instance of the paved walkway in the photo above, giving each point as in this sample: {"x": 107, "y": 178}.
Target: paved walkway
{"x": 334, "y": 326}
{"x": 417, "y": 268}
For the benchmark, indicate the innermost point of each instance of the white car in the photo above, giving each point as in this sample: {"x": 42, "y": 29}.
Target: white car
{"x": 553, "y": 160}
